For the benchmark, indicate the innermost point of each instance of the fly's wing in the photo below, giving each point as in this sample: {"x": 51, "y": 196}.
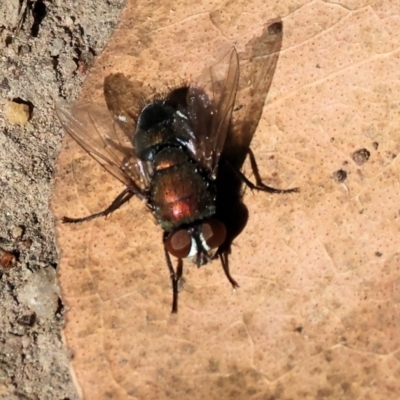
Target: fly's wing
{"x": 125, "y": 99}
{"x": 93, "y": 128}
{"x": 209, "y": 110}
{"x": 258, "y": 62}
{"x": 203, "y": 121}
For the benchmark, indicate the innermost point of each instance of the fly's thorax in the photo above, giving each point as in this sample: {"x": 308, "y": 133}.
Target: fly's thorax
{"x": 154, "y": 130}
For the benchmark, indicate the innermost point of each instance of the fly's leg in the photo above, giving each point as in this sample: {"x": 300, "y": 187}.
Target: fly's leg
{"x": 225, "y": 265}
{"x": 175, "y": 276}
{"x": 259, "y": 185}
{"x": 121, "y": 199}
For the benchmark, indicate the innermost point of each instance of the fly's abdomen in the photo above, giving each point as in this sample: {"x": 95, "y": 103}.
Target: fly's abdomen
{"x": 179, "y": 193}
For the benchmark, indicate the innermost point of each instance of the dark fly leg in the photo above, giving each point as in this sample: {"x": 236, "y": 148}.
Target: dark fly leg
{"x": 175, "y": 276}
{"x": 225, "y": 265}
{"x": 259, "y": 185}
{"x": 121, "y": 199}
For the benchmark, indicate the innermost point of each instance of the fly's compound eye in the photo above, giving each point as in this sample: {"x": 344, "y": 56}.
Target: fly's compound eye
{"x": 179, "y": 243}
{"x": 213, "y": 233}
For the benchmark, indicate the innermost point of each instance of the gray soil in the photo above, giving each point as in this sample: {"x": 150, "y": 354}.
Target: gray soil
{"x": 46, "y": 49}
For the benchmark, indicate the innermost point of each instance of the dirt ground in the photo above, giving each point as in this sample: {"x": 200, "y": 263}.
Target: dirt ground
{"x": 45, "y": 50}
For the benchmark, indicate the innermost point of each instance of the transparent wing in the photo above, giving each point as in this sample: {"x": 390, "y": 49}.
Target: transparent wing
{"x": 203, "y": 120}
{"x": 93, "y": 128}
{"x": 125, "y": 99}
{"x": 225, "y": 78}
{"x": 208, "y": 110}
{"x": 258, "y": 62}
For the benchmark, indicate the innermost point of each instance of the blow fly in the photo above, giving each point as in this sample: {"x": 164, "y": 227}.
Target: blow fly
{"x": 166, "y": 152}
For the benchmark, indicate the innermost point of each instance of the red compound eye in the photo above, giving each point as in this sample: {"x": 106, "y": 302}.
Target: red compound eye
{"x": 214, "y": 232}
{"x": 179, "y": 243}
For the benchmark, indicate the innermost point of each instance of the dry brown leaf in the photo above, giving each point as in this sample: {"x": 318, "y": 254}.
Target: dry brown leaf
{"x": 317, "y": 313}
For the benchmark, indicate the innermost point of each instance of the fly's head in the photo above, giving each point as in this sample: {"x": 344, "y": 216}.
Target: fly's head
{"x": 199, "y": 242}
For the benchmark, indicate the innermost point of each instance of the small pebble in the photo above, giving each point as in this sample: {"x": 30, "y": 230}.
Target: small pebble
{"x": 16, "y": 113}
{"x": 17, "y": 232}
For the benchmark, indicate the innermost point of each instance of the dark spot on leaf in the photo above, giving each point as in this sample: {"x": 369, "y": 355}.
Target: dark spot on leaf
{"x": 340, "y": 175}
{"x": 361, "y": 156}
{"x": 275, "y": 28}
